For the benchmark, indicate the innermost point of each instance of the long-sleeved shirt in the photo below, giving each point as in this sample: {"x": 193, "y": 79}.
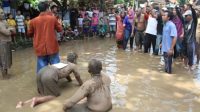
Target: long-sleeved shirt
{"x": 43, "y": 29}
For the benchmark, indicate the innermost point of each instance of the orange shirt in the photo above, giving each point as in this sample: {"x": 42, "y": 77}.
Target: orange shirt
{"x": 43, "y": 28}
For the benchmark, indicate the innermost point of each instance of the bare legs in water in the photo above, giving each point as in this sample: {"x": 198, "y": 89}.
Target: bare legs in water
{"x": 35, "y": 101}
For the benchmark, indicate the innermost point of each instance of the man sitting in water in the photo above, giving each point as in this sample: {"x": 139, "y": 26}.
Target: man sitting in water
{"x": 96, "y": 90}
{"x": 48, "y": 78}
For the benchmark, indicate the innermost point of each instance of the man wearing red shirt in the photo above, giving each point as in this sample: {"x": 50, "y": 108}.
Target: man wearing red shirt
{"x": 42, "y": 28}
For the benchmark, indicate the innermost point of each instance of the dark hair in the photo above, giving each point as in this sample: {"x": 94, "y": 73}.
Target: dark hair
{"x": 94, "y": 66}
{"x": 169, "y": 14}
{"x": 53, "y": 6}
{"x": 178, "y": 12}
{"x": 71, "y": 57}
{"x": 43, "y": 6}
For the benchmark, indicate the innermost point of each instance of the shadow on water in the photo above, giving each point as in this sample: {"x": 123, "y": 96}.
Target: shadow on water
{"x": 138, "y": 83}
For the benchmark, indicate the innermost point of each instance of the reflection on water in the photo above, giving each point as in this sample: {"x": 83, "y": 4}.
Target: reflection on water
{"x": 138, "y": 83}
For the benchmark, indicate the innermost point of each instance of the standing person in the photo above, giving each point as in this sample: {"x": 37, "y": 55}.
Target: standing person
{"x": 168, "y": 40}
{"x": 120, "y": 30}
{"x": 5, "y": 46}
{"x": 80, "y": 23}
{"x": 96, "y": 90}
{"x": 159, "y": 31}
{"x": 128, "y": 30}
{"x": 20, "y": 25}
{"x": 12, "y": 23}
{"x": 95, "y": 22}
{"x": 44, "y": 41}
{"x": 190, "y": 37}
{"x": 86, "y": 25}
{"x": 151, "y": 32}
{"x": 112, "y": 22}
{"x": 140, "y": 24}
{"x": 178, "y": 21}
{"x": 6, "y": 6}
{"x": 73, "y": 17}
{"x": 47, "y": 80}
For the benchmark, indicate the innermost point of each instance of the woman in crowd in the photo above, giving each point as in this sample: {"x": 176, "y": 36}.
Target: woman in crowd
{"x": 178, "y": 21}
{"x": 128, "y": 24}
{"x": 120, "y": 29}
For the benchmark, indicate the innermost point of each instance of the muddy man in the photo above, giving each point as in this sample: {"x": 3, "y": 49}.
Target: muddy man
{"x": 5, "y": 45}
{"x": 96, "y": 91}
{"x": 48, "y": 78}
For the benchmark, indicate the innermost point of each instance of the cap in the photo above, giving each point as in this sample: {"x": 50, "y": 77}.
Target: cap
{"x": 164, "y": 9}
{"x": 188, "y": 12}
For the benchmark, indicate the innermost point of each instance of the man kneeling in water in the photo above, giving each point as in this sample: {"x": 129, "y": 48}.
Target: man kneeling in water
{"x": 96, "y": 90}
{"x": 48, "y": 78}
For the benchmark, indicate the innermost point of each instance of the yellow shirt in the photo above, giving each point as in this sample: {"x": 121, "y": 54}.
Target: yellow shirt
{"x": 27, "y": 22}
{"x": 11, "y": 22}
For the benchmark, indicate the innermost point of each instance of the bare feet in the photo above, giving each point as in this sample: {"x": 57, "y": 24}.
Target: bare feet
{"x": 19, "y": 105}
{"x": 34, "y": 102}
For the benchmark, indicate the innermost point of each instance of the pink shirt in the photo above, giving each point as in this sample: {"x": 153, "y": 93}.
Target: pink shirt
{"x": 95, "y": 21}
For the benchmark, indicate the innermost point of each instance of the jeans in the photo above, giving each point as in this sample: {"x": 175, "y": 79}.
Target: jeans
{"x": 168, "y": 62}
{"x": 127, "y": 35}
{"x": 158, "y": 42}
{"x": 43, "y": 61}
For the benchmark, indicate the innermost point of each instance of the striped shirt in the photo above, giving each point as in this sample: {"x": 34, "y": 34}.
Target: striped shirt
{"x": 20, "y": 21}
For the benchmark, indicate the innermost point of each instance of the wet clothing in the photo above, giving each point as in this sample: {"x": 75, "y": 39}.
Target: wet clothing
{"x": 47, "y": 78}
{"x": 120, "y": 31}
{"x": 43, "y": 29}
{"x": 5, "y": 46}
{"x": 97, "y": 92}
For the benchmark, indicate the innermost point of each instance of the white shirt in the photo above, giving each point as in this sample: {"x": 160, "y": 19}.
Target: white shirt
{"x": 90, "y": 14}
{"x": 80, "y": 21}
{"x": 20, "y": 21}
{"x": 151, "y": 26}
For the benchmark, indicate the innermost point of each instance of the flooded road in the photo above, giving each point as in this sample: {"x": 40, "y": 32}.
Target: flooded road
{"x": 139, "y": 83}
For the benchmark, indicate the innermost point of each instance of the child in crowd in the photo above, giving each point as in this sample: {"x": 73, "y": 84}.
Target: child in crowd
{"x": 95, "y": 22}
{"x": 86, "y": 25}
{"x": 112, "y": 22}
{"x": 106, "y": 22}
{"x": 27, "y": 22}
{"x": 11, "y": 23}
{"x": 20, "y": 25}
{"x": 76, "y": 32}
{"x": 80, "y": 23}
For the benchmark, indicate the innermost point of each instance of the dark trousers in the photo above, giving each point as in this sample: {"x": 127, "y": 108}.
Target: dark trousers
{"x": 149, "y": 40}
{"x": 168, "y": 62}
{"x": 131, "y": 42}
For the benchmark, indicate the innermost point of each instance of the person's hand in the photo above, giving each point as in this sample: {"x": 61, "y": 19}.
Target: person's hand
{"x": 65, "y": 107}
{"x": 170, "y": 52}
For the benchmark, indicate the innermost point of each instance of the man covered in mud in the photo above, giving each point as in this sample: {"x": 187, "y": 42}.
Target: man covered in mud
{"x": 48, "y": 78}
{"x": 96, "y": 91}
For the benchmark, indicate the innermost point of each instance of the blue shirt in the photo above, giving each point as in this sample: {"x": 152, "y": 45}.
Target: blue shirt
{"x": 128, "y": 23}
{"x": 169, "y": 32}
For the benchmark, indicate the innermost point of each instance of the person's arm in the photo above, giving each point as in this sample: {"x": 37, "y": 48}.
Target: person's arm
{"x": 173, "y": 35}
{"x": 30, "y": 29}
{"x": 80, "y": 94}
{"x": 77, "y": 75}
{"x": 58, "y": 26}
{"x": 124, "y": 22}
{"x": 5, "y": 31}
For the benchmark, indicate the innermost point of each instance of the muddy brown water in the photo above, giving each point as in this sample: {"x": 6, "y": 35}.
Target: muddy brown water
{"x": 138, "y": 81}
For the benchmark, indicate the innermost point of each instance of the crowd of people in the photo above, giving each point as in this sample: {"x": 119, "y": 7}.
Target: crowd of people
{"x": 170, "y": 31}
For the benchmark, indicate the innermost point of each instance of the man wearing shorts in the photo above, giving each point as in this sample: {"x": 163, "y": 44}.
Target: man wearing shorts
{"x": 20, "y": 25}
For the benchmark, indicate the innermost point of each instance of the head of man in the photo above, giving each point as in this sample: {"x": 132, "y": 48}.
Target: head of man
{"x": 94, "y": 67}
{"x": 1, "y": 14}
{"x": 54, "y": 8}
{"x": 167, "y": 15}
{"x": 72, "y": 58}
{"x": 188, "y": 15}
{"x": 43, "y": 6}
